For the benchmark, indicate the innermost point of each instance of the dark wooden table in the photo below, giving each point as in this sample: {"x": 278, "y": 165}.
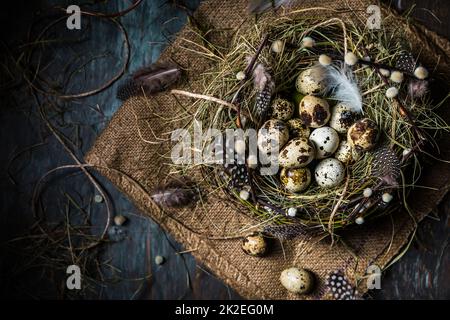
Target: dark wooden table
{"x": 88, "y": 58}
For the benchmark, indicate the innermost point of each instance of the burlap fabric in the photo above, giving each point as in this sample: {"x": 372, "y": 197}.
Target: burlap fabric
{"x": 126, "y": 153}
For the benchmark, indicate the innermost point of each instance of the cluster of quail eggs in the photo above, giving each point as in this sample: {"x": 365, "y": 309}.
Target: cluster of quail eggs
{"x": 311, "y": 136}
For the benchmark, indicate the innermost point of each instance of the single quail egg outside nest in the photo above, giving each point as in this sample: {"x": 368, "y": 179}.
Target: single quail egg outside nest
{"x": 297, "y": 153}
{"x": 254, "y": 244}
{"x": 311, "y": 81}
{"x": 329, "y": 173}
{"x": 363, "y": 134}
{"x": 314, "y": 111}
{"x": 326, "y": 141}
{"x": 273, "y": 133}
{"x": 344, "y": 153}
{"x": 297, "y": 280}
{"x": 295, "y": 179}
{"x": 282, "y": 109}
{"x": 342, "y": 117}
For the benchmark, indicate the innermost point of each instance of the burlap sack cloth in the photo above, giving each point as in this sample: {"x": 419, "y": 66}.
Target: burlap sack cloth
{"x": 135, "y": 166}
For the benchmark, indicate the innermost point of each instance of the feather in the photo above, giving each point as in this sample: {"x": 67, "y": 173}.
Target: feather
{"x": 343, "y": 87}
{"x": 235, "y": 169}
{"x": 386, "y": 165}
{"x": 260, "y": 6}
{"x": 149, "y": 80}
{"x": 406, "y": 62}
{"x": 285, "y": 232}
{"x": 176, "y": 194}
{"x": 264, "y": 86}
{"x": 339, "y": 287}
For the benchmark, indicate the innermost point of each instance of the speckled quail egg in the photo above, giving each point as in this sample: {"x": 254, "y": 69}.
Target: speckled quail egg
{"x": 342, "y": 117}
{"x": 297, "y": 280}
{"x": 344, "y": 153}
{"x": 326, "y": 141}
{"x": 282, "y": 109}
{"x": 311, "y": 81}
{"x": 314, "y": 111}
{"x": 297, "y": 128}
{"x": 273, "y": 133}
{"x": 254, "y": 244}
{"x": 329, "y": 173}
{"x": 297, "y": 153}
{"x": 295, "y": 179}
{"x": 363, "y": 134}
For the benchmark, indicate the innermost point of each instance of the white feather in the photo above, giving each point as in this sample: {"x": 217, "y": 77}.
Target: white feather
{"x": 343, "y": 87}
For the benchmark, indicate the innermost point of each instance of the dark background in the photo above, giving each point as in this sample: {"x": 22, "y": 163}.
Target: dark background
{"x": 39, "y": 54}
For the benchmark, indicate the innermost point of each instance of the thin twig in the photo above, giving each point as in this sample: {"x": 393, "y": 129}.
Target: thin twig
{"x": 204, "y": 97}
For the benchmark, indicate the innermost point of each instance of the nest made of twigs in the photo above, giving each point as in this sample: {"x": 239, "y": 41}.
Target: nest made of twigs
{"x": 320, "y": 208}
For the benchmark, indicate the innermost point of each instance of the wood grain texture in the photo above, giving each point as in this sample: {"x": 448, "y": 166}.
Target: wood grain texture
{"x": 422, "y": 273}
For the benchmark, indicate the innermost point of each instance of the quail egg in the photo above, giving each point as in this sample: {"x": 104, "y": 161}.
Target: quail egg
{"x": 314, "y": 111}
{"x": 297, "y": 128}
{"x": 326, "y": 141}
{"x": 295, "y": 179}
{"x": 254, "y": 244}
{"x": 329, "y": 173}
{"x": 296, "y": 153}
{"x": 311, "y": 81}
{"x": 297, "y": 280}
{"x": 344, "y": 153}
{"x": 272, "y": 136}
{"x": 363, "y": 134}
{"x": 342, "y": 117}
{"x": 282, "y": 109}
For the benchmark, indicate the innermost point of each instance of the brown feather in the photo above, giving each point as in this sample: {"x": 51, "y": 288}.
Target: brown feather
{"x": 176, "y": 194}
{"x": 149, "y": 80}
{"x": 285, "y": 232}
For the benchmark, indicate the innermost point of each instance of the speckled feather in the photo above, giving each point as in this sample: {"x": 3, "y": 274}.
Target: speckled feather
{"x": 339, "y": 287}
{"x": 264, "y": 89}
{"x": 386, "y": 165}
{"x": 285, "y": 232}
{"x": 234, "y": 169}
{"x": 406, "y": 62}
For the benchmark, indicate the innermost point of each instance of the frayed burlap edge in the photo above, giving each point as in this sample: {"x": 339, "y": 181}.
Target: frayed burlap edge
{"x": 134, "y": 167}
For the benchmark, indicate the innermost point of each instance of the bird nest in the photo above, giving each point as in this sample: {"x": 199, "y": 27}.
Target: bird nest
{"x": 371, "y": 72}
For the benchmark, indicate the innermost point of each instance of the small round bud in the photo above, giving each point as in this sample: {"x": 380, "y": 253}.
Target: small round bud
{"x": 98, "y": 198}
{"x": 421, "y": 73}
{"x": 385, "y": 72}
{"x": 359, "y": 220}
{"x": 119, "y": 220}
{"x": 243, "y": 120}
{"x": 240, "y": 75}
{"x": 367, "y": 192}
{"x": 159, "y": 260}
{"x": 308, "y": 42}
{"x": 244, "y": 195}
{"x": 392, "y": 92}
{"x": 397, "y": 76}
{"x": 277, "y": 46}
{"x": 406, "y": 152}
{"x": 350, "y": 58}
{"x": 387, "y": 197}
{"x": 324, "y": 60}
{"x": 292, "y": 212}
